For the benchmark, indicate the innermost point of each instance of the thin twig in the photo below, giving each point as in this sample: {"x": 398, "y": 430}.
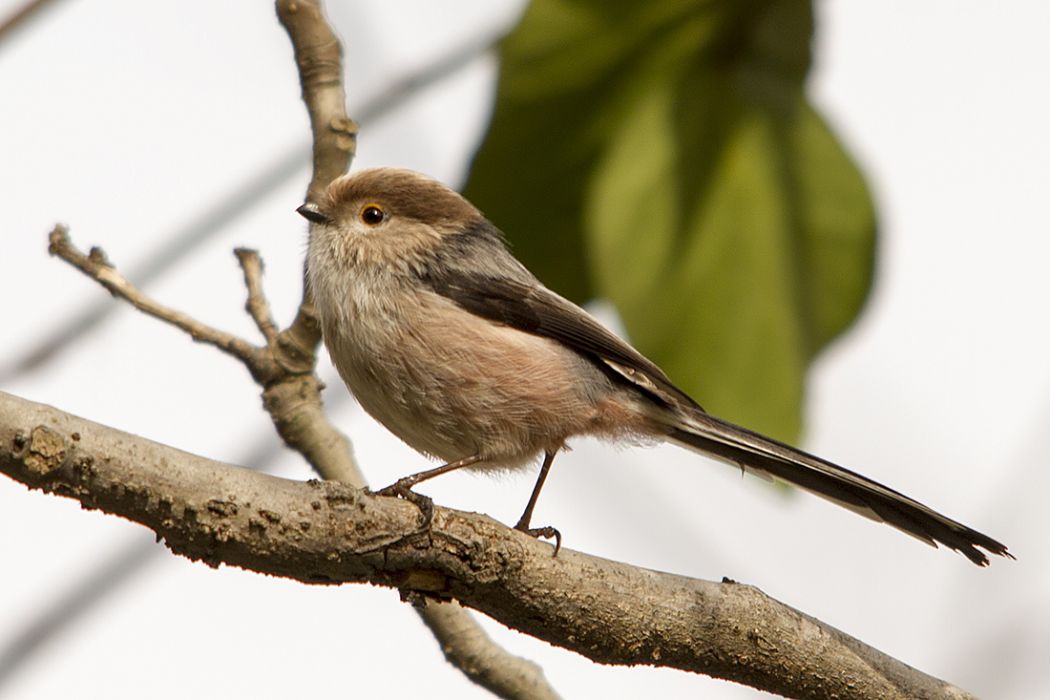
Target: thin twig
{"x": 184, "y": 240}
{"x": 257, "y": 306}
{"x": 95, "y": 266}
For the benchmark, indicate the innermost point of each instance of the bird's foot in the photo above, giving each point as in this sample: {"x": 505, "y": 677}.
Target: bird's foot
{"x": 546, "y": 532}
{"x": 402, "y": 488}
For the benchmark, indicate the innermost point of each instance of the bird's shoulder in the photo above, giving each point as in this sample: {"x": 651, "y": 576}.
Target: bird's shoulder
{"x": 476, "y": 271}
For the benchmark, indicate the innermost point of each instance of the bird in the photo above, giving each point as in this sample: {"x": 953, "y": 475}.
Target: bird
{"x": 447, "y": 340}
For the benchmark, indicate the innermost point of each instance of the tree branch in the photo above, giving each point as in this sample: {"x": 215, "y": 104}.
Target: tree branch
{"x": 319, "y": 56}
{"x": 257, "y": 306}
{"x": 97, "y": 266}
{"x": 467, "y": 647}
{"x": 234, "y": 202}
{"x": 293, "y": 400}
{"x": 326, "y": 532}
{"x": 283, "y": 367}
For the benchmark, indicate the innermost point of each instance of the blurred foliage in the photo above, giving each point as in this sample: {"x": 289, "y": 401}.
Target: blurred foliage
{"x": 663, "y": 155}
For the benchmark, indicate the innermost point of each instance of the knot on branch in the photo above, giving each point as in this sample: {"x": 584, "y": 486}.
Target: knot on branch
{"x": 44, "y": 451}
{"x": 345, "y": 130}
{"x": 295, "y": 348}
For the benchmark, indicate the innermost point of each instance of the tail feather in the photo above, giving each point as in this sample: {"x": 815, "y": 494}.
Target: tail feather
{"x": 757, "y": 453}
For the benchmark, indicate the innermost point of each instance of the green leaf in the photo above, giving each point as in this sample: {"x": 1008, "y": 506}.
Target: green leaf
{"x": 663, "y": 155}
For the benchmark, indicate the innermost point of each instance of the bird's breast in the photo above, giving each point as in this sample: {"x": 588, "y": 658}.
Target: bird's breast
{"x": 452, "y": 384}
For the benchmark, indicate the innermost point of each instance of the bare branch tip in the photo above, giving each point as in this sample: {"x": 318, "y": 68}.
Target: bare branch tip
{"x": 257, "y": 306}
{"x": 248, "y": 256}
{"x": 58, "y": 239}
{"x": 60, "y": 245}
{"x": 98, "y": 256}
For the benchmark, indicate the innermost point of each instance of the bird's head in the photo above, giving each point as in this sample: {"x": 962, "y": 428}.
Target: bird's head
{"x": 386, "y": 216}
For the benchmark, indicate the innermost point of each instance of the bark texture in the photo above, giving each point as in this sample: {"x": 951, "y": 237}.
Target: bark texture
{"x": 330, "y": 533}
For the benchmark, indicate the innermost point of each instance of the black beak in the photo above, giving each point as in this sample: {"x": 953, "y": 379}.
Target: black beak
{"x": 311, "y": 212}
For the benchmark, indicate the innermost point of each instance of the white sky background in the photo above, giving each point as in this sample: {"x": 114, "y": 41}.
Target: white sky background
{"x": 127, "y": 119}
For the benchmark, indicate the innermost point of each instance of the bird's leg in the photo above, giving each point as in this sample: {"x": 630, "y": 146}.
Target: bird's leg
{"x": 526, "y": 517}
{"x": 403, "y": 486}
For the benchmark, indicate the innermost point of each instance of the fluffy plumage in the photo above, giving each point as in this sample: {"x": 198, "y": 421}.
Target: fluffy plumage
{"x": 448, "y": 341}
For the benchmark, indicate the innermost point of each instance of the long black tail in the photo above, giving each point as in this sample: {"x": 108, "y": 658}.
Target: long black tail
{"x": 766, "y": 456}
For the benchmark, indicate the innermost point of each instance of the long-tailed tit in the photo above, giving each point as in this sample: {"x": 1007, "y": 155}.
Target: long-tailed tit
{"x": 447, "y": 340}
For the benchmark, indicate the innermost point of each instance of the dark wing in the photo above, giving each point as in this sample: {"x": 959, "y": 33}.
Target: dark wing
{"x": 528, "y": 306}
{"x": 477, "y": 272}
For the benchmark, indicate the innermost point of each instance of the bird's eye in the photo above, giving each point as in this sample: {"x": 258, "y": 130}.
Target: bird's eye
{"x": 372, "y": 214}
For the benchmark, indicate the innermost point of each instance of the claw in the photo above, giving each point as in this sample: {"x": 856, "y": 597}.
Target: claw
{"x": 402, "y": 490}
{"x": 546, "y": 532}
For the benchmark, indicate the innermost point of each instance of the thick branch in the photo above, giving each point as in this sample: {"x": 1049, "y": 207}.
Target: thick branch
{"x": 325, "y": 532}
